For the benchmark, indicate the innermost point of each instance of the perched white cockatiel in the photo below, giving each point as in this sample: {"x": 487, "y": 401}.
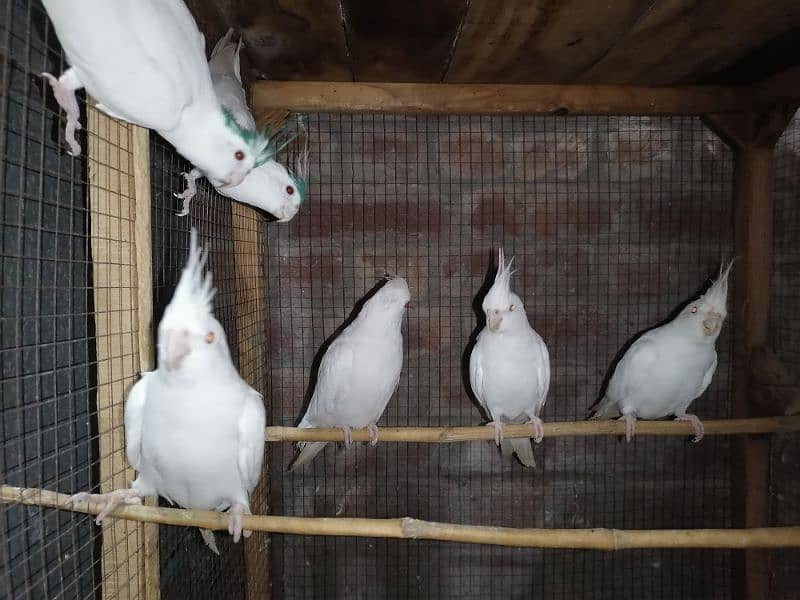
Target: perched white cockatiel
{"x": 509, "y": 368}
{"x": 670, "y": 366}
{"x": 144, "y": 62}
{"x": 360, "y": 370}
{"x": 194, "y": 430}
{"x": 271, "y": 186}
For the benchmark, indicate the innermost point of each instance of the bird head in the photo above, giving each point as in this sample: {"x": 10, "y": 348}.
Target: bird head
{"x": 390, "y": 301}
{"x": 502, "y": 306}
{"x": 707, "y": 313}
{"x": 225, "y": 151}
{"x": 190, "y": 339}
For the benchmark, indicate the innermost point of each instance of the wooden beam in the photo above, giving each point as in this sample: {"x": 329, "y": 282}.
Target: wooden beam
{"x": 416, "y": 529}
{"x": 250, "y": 313}
{"x": 113, "y": 205}
{"x": 494, "y": 99}
{"x": 774, "y": 388}
{"x": 782, "y": 88}
{"x": 140, "y": 139}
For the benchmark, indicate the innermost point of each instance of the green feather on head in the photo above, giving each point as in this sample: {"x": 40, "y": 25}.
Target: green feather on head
{"x": 259, "y": 143}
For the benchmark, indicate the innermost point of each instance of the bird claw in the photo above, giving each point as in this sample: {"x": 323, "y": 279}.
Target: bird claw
{"x": 348, "y": 435}
{"x": 69, "y": 103}
{"x": 110, "y": 501}
{"x": 697, "y": 425}
{"x": 235, "y": 522}
{"x": 191, "y": 190}
{"x": 538, "y": 429}
{"x": 373, "y": 434}
{"x": 630, "y": 426}
{"x": 498, "y": 431}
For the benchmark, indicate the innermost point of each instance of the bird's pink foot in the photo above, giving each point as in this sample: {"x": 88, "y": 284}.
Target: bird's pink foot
{"x": 191, "y": 190}
{"x": 109, "y": 501}
{"x": 699, "y": 430}
{"x": 498, "y": 431}
{"x": 65, "y": 96}
{"x": 235, "y": 525}
{"x": 348, "y": 435}
{"x": 630, "y": 426}
{"x": 373, "y": 433}
{"x": 538, "y": 429}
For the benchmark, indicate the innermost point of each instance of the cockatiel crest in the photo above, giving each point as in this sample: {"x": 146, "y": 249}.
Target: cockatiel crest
{"x": 500, "y": 294}
{"x": 193, "y": 296}
{"x": 709, "y": 310}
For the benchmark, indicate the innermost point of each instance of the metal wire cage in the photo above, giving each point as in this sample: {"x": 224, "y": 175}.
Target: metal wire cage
{"x": 614, "y": 222}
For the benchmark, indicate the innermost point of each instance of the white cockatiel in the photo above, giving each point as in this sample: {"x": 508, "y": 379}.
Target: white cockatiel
{"x": 509, "y": 368}
{"x": 670, "y": 366}
{"x": 360, "y": 370}
{"x": 271, "y": 186}
{"x": 143, "y": 61}
{"x": 194, "y": 430}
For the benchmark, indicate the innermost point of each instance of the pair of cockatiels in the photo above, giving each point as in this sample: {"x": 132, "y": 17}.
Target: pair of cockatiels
{"x": 194, "y": 429}
{"x": 144, "y": 62}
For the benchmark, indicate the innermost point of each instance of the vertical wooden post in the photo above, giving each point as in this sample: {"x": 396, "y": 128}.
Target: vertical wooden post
{"x": 753, "y": 138}
{"x": 144, "y": 275}
{"x": 115, "y": 274}
{"x": 250, "y": 323}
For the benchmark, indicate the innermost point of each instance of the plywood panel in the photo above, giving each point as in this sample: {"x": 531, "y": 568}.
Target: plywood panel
{"x": 544, "y": 41}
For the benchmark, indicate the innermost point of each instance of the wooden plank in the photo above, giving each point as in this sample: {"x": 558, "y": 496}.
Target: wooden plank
{"x": 312, "y": 96}
{"x": 144, "y": 295}
{"x": 115, "y": 276}
{"x": 401, "y": 41}
{"x": 781, "y": 88}
{"x": 537, "y": 42}
{"x": 251, "y": 335}
{"x": 687, "y": 40}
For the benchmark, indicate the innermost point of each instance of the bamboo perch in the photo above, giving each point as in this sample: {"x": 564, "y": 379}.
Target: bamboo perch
{"x": 408, "y": 528}
{"x": 560, "y": 429}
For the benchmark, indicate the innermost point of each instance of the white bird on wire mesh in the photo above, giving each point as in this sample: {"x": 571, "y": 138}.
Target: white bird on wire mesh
{"x": 271, "y": 186}
{"x": 669, "y": 366}
{"x": 509, "y": 368}
{"x": 194, "y": 429}
{"x": 360, "y": 370}
{"x": 144, "y": 62}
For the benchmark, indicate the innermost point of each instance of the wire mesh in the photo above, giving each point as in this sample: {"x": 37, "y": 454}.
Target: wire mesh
{"x": 785, "y": 330}
{"x": 613, "y": 222}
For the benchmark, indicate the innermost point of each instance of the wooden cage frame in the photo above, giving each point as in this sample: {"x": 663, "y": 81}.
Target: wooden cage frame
{"x": 749, "y": 119}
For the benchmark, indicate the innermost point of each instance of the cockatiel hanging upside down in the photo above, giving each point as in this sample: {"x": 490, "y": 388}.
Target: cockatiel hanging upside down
{"x": 670, "y": 366}
{"x": 143, "y": 61}
{"x": 360, "y": 370}
{"x": 509, "y": 368}
{"x": 271, "y": 186}
{"x": 194, "y": 430}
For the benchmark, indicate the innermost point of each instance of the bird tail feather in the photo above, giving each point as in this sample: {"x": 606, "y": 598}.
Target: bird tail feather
{"x": 522, "y": 447}
{"x": 308, "y": 451}
{"x": 211, "y": 542}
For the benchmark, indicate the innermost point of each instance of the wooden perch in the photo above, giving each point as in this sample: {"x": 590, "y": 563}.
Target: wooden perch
{"x": 408, "y": 528}
{"x": 443, "y": 435}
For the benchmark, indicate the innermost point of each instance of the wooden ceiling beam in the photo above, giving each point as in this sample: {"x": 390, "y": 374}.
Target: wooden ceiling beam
{"x": 495, "y": 99}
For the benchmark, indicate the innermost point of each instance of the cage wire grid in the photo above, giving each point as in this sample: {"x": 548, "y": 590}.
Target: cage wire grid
{"x": 614, "y": 222}
{"x": 785, "y": 339}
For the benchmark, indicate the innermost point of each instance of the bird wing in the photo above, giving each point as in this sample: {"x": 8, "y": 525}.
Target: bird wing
{"x": 224, "y": 68}
{"x": 543, "y": 371}
{"x": 633, "y": 371}
{"x": 251, "y": 426}
{"x": 134, "y": 417}
{"x": 333, "y": 377}
{"x": 476, "y": 376}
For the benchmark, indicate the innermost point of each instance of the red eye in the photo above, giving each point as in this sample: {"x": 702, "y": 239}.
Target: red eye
{"x": 239, "y": 155}
{"x": 289, "y": 190}
{"x": 209, "y": 337}
{"x": 694, "y": 309}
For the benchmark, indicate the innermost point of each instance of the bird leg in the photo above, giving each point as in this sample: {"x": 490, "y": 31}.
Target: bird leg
{"x": 630, "y": 425}
{"x": 348, "y": 435}
{"x": 64, "y": 91}
{"x": 191, "y": 189}
{"x": 538, "y": 429}
{"x": 109, "y": 501}
{"x": 235, "y": 515}
{"x": 373, "y": 434}
{"x": 699, "y": 430}
{"x": 498, "y": 431}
